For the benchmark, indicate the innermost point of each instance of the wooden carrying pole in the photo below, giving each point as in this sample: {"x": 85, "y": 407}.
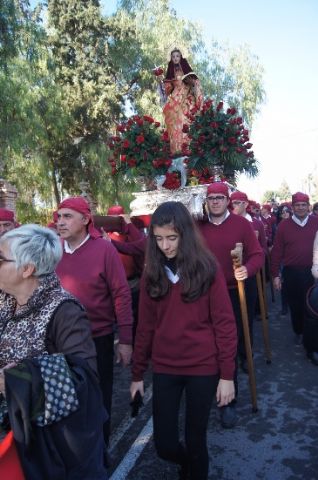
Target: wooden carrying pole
{"x": 264, "y": 318}
{"x": 237, "y": 262}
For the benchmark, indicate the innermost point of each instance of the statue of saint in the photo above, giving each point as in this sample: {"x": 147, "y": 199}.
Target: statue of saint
{"x": 183, "y": 91}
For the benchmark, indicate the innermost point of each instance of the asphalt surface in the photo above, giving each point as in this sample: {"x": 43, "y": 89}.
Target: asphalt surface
{"x": 279, "y": 442}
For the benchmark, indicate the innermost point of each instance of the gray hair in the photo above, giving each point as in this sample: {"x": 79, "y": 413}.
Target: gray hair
{"x": 32, "y": 244}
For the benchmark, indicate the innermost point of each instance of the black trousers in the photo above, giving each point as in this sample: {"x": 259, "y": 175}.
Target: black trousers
{"x": 105, "y": 365}
{"x": 251, "y": 298}
{"x": 199, "y": 393}
{"x": 297, "y": 282}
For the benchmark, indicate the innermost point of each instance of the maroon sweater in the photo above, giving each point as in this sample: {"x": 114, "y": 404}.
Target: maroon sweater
{"x": 197, "y": 338}
{"x": 221, "y": 239}
{"x": 293, "y": 245}
{"x": 94, "y": 274}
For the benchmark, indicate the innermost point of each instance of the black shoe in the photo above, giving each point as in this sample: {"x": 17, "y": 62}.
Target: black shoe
{"x": 228, "y": 416}
{"x": 313, "y": 357}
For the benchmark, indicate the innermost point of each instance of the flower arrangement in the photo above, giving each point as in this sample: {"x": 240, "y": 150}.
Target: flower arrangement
{"x": 140, "y": 148}
{"x": 217, "y": 138}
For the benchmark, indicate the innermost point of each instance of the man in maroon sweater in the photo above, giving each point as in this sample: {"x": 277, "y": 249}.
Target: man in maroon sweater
{"x": 293, "y": 250}
{"x": 221, "y": 231}
{"x": 92, "y": 271}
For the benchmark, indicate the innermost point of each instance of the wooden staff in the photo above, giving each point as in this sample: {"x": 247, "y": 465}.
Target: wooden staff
{"x": 261, "y": 289}
{"x": 264, "y": 318}
{"x": 237, "y": 262}
{"x": 263, "y": 271}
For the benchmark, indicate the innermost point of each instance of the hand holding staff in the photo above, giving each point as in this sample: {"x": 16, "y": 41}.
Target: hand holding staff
{"x": 237, "y": 264}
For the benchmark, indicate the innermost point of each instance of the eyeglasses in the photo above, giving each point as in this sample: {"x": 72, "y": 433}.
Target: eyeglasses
{"x": 217, "y": 198}
{"x": 6, "y": 260}
{"x": 237, "y": 202}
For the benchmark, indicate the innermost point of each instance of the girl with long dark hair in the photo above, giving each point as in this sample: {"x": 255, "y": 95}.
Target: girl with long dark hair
{"x": 187, "y": 329}
{"x": 183, "y": 90}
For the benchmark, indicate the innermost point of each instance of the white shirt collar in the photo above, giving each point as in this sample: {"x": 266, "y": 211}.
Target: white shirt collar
{"x": 227, "y": 213}
{"x": 174, "y": 278}
{"x": 248, "y": 217}
{"x": 299, "y": 222}
{"x": 68, "y": 249}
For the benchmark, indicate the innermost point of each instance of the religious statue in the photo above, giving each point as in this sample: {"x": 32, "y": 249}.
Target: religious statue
{"x": 183, "y": 93}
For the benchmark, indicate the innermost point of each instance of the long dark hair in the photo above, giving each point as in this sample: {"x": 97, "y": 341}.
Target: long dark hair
{"x": 196, "y": 265}
{"x": 170, "y": 74}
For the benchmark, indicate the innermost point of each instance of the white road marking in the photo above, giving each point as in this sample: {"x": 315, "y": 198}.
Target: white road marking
{"x": 126, "y": 423}
{"x": 133, "y": 453}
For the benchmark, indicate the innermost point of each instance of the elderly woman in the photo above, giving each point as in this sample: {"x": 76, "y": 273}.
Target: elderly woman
{"x": 47, "y": 354}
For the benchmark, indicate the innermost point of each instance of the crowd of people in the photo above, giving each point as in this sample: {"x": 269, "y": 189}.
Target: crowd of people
{"x": 166, "y": 296}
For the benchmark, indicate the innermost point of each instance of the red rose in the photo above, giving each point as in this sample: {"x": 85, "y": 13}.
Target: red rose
{"x": 239, "y": 120}
{"x": 126, "y": 144}
{"x": 220, "y": 106}
{"x": 120, "y": 128}
{"x": 213, "y": 125}
{"x": 158, "y": 71}
{"x": 140, "y": 122}
{"x": 165, "y": 136}
{"x": 132, "y": 162}
{"x": 123, "y": 158}
{"x": 157, "y": 124}
{"x": 249, "y": 145}
{"x": 140, "y": 139}
{"x": 148, "y": 119}
{"x": 185, "y": 128}
{"x": 232, "y": 140}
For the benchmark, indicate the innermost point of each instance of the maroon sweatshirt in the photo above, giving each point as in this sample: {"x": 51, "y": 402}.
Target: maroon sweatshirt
{"x": 221, "y": 239}
{"x": 95, "y": 275}
{"x": 197, "y": 338}
{"x": 293, "y": 244}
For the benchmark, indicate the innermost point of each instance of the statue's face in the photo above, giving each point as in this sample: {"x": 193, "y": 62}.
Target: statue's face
{"x": 176, "y": 57}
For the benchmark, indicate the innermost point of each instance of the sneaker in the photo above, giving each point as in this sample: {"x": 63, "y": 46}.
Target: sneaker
{"x": 228, "y": 416}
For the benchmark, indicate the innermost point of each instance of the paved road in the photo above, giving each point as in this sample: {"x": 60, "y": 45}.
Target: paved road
{"x": 280, "y": 442}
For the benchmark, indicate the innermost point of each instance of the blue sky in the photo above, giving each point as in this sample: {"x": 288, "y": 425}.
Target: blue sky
{"x": 284, "y": 35}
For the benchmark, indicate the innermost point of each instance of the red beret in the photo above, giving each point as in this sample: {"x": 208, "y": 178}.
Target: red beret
{"x": 6, "y": 215}
{"x": 267, "y": 207}
{"x": 239, "y": 196}
{"x": 300, "y": 197}
{"x": 115, "y": 210}
{"x": 218, "y": 187}
{"x": 79, "y": 204}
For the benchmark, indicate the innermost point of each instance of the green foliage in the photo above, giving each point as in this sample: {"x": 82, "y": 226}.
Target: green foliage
{"x": 269, "y": 195}
{"x": 66, "y": 85}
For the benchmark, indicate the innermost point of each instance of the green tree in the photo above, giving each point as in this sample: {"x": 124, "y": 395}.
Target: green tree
{"x": 269, "y": 195}
{"x": 284, "y": 192}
